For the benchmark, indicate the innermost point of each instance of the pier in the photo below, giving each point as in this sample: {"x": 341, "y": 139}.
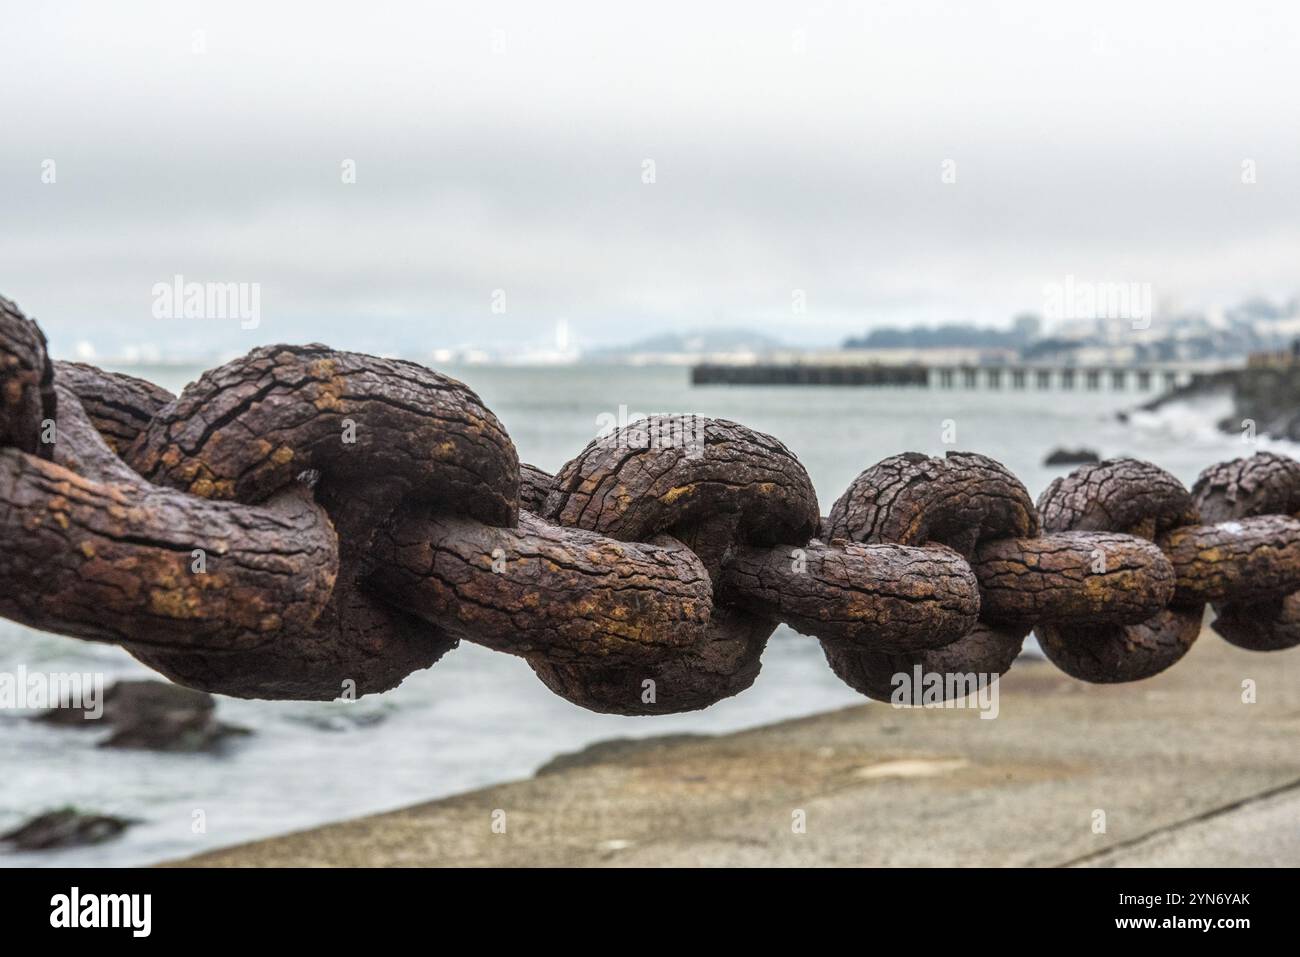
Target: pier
{"x": 1155, "y": 378}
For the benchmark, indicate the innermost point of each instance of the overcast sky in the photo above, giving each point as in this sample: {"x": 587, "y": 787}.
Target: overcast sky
{"x": 796, "y": 146}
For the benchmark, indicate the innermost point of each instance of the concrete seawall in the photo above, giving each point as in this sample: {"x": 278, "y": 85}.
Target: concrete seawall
{"x": 1183, "y": 771}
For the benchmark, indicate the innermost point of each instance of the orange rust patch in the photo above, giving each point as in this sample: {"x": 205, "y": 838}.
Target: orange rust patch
{"x": 329, "y": 392}
{"x": 174, "y": 603}
{"x": 673, "y": 494}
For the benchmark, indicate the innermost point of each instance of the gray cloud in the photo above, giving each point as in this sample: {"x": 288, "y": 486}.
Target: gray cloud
{"x": 795, "y": 148}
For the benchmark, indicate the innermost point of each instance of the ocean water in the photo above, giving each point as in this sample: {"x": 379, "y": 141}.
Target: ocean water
{"x": 478, "y": 717}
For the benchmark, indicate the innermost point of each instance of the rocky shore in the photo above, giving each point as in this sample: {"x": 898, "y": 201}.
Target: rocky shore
{"x": 143, "y": 714}
{"x": 1181, "y": 769}
{"x": 1265, "y": 398}
{"x": 153, "y": 715}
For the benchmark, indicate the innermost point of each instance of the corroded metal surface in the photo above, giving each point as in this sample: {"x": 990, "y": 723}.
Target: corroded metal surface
{"x": 308, "y": 523}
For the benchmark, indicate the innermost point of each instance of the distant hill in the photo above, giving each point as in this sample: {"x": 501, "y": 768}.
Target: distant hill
{"x": 959, "y": 335}
{"x": 701, "y": 341}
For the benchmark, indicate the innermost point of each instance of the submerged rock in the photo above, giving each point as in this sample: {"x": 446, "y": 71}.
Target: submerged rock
{"x": 66, "y": 827}
{"x": 347, "y": 717}
{"x": 1072, "y": 457}
{"x": 173, "y": 731}
{"x": 152, "y": 715}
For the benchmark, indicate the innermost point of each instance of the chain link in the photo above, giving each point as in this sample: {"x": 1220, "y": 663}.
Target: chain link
{"x": 303, "y": 522}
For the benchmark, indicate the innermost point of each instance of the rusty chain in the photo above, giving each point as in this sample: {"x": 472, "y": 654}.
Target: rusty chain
{"x": 302, "y": 520}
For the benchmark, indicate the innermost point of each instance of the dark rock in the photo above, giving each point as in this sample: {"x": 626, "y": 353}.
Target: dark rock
{"x": 1267, "y": 397}
{"x": 1072, "y": 457}
{"x": 126, "y": 700}
{"x": 173, "y": 731}
{"x": 152, "y": 715}
{"x": 66, "y": 827}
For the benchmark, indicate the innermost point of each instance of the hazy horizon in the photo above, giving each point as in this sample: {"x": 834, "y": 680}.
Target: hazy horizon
{"x": 817, "y": 171}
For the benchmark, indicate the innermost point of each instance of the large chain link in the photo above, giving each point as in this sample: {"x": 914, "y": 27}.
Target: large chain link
{"x": 301, "y": 522}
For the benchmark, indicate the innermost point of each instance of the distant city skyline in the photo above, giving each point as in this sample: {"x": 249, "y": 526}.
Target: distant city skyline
{"x": 1254, "y": 323}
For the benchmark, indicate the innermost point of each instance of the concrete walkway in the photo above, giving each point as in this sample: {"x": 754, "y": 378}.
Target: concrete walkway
{"x": 1178, "y": 770}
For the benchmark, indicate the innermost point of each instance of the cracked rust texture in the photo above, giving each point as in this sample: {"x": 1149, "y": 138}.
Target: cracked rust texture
{"x": 1132, "y": 497}
{"x": 1248, "y": 488}
{"x": 912, "y": 499}
{"x": 544, "y": 590}
{"x": 731, "y": 472}
{"x": 882, "y": 597}
{"x": 26, "y": 382}
{"x": 119, "y": 406}
{"x": 93, "y": 550}
{"x": 985, "y": 651}
{"x": 1073, "y": 578}
{"x": 714, "y": 485}
{"x": 950, "y": 504}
